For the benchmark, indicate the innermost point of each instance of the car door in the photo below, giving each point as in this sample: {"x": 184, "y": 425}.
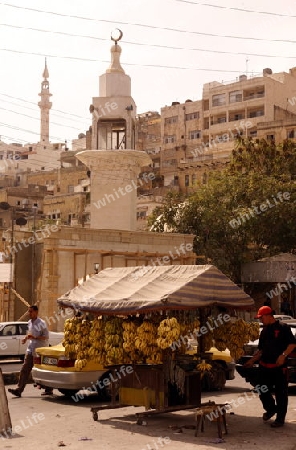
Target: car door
{"x": 23, "y": 328}
{"x": 9, "y": 342}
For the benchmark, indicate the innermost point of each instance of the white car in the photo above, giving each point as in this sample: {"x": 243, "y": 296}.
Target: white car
{"x": 11, "y": 335}
{"x": 285, "y": 318}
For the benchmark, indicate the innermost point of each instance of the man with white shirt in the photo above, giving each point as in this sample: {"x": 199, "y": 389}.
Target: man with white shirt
{"x": 37, "y": 336}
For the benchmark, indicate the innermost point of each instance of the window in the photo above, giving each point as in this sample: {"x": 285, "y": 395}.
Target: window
{"x": 235, "y": 96}
{"x": 169, "y": 120}
{"x": 290, "y": 134}
{"x": 194, "y": 178}
{"x": 186, "y": 180}
{"x": 23, "y": 329}
{"x": 141, "y": 215}
{"x": 196, "y": 134}
{"x": 191, "y": 116}
{"x": 70, "y": 189}
{"x": 169, "y": 163}
{"x": 221, "y": 119}
{"x": 219, "y": 100}
{"x": 205, "y": 178}
{"x": 169, "y": 139}
{"x": 9, "y": 330}
{"x": 270, "y": 137}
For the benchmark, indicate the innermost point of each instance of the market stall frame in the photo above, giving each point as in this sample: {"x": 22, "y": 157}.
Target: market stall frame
{"x": 133, "y": 291}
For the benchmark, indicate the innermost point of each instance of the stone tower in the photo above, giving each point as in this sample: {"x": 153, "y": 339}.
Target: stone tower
{"x": 44, "y": 105}
{"x": 113, "y": 161}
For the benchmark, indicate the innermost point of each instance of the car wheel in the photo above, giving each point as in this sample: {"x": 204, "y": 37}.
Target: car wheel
{"x": 215, "y": 379}
{"x": 105, "y": 390}
{"x": 68, "y": 392}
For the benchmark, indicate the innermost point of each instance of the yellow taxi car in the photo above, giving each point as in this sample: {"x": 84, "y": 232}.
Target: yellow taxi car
{"x": 54, "y": 370}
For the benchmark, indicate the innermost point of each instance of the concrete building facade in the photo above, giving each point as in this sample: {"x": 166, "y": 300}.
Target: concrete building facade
{"x": 197, "y": 136}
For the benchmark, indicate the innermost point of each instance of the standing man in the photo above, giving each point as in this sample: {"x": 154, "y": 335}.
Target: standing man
{"x": 37, "y": 336}
{"x": 276, "y": 342}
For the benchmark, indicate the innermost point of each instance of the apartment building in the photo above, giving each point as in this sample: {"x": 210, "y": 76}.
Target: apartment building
{"x": 148, "y": 126}
{"x": 198, "y": 136}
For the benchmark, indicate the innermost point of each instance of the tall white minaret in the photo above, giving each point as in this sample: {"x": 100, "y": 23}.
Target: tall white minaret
{"x": 44, "y": 106}
{"x": 113, "y": 162}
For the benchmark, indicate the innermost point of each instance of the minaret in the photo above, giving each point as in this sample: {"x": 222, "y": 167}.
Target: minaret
{"x": 44, "y": 106}
{"x": 114, "y": 111}
{"x": 113, "y": 162}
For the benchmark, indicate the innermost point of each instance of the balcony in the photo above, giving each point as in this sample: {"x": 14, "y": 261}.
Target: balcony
{"x": 218, "y": 120}
{"x": 238, "y": 115}
{"x": 257, "y": 92}
{"x": 255, "y": 113}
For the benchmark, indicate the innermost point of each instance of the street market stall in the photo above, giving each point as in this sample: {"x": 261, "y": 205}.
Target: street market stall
{"x": 137, "y": 321}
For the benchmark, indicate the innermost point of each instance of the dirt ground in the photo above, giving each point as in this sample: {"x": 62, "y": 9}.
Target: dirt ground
{"x": 53, "y": 422}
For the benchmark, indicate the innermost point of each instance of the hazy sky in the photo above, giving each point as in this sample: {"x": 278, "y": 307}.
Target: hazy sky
{"x": 170, "y": 48}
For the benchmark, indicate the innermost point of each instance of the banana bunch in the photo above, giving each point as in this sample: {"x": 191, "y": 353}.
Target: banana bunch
{"x": 203, "y": 367}
{"x": 192, "y": 325}
{"x": 254, "y": 331}
{"x": 208, "y": 340}
{"x": 97, "y": 351}
{"x": 168, "y": 332}
{"x": 145, "y": 341}
{"x": 234, "y": 335}
{"x": 77, "y": 340}
{"x": 114, "y": 355}
{"x": 113, "y": 325}
{"x": 113, "y": 344}
{"x": 220, "y": 345}
{"x": 133, "y": 355}
{"x": 129, "y": 335}
{"x": 155, "y": 357}
{"x": 83, "y": 343}
{"x": 80, "y": 363}
{"x": 71, "y": 336}
{"x": 145, "y": 336}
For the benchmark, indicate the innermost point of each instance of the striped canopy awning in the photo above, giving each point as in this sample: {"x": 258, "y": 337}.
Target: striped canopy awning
{"x": 141, "y": 289}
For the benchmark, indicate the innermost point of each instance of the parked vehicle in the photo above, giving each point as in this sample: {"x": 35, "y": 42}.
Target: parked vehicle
{"x": 53, "y": 369}
{"x": 250, "y": 374}
{"x": 11, "y": 335}
{"x": 285, "y": 318}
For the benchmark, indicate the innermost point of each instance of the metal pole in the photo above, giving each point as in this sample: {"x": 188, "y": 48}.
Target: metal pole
{"x": 13, "y": 269}
{"x": 33, "y": 259}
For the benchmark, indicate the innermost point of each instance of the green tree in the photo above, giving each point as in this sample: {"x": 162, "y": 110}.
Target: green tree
{"x": 244, "y": 213}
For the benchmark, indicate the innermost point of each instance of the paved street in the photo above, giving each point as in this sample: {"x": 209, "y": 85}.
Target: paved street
{"x": 56, "y": 421}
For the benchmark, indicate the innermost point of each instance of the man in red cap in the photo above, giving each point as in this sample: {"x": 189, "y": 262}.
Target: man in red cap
{"x": 276, "y": 342}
